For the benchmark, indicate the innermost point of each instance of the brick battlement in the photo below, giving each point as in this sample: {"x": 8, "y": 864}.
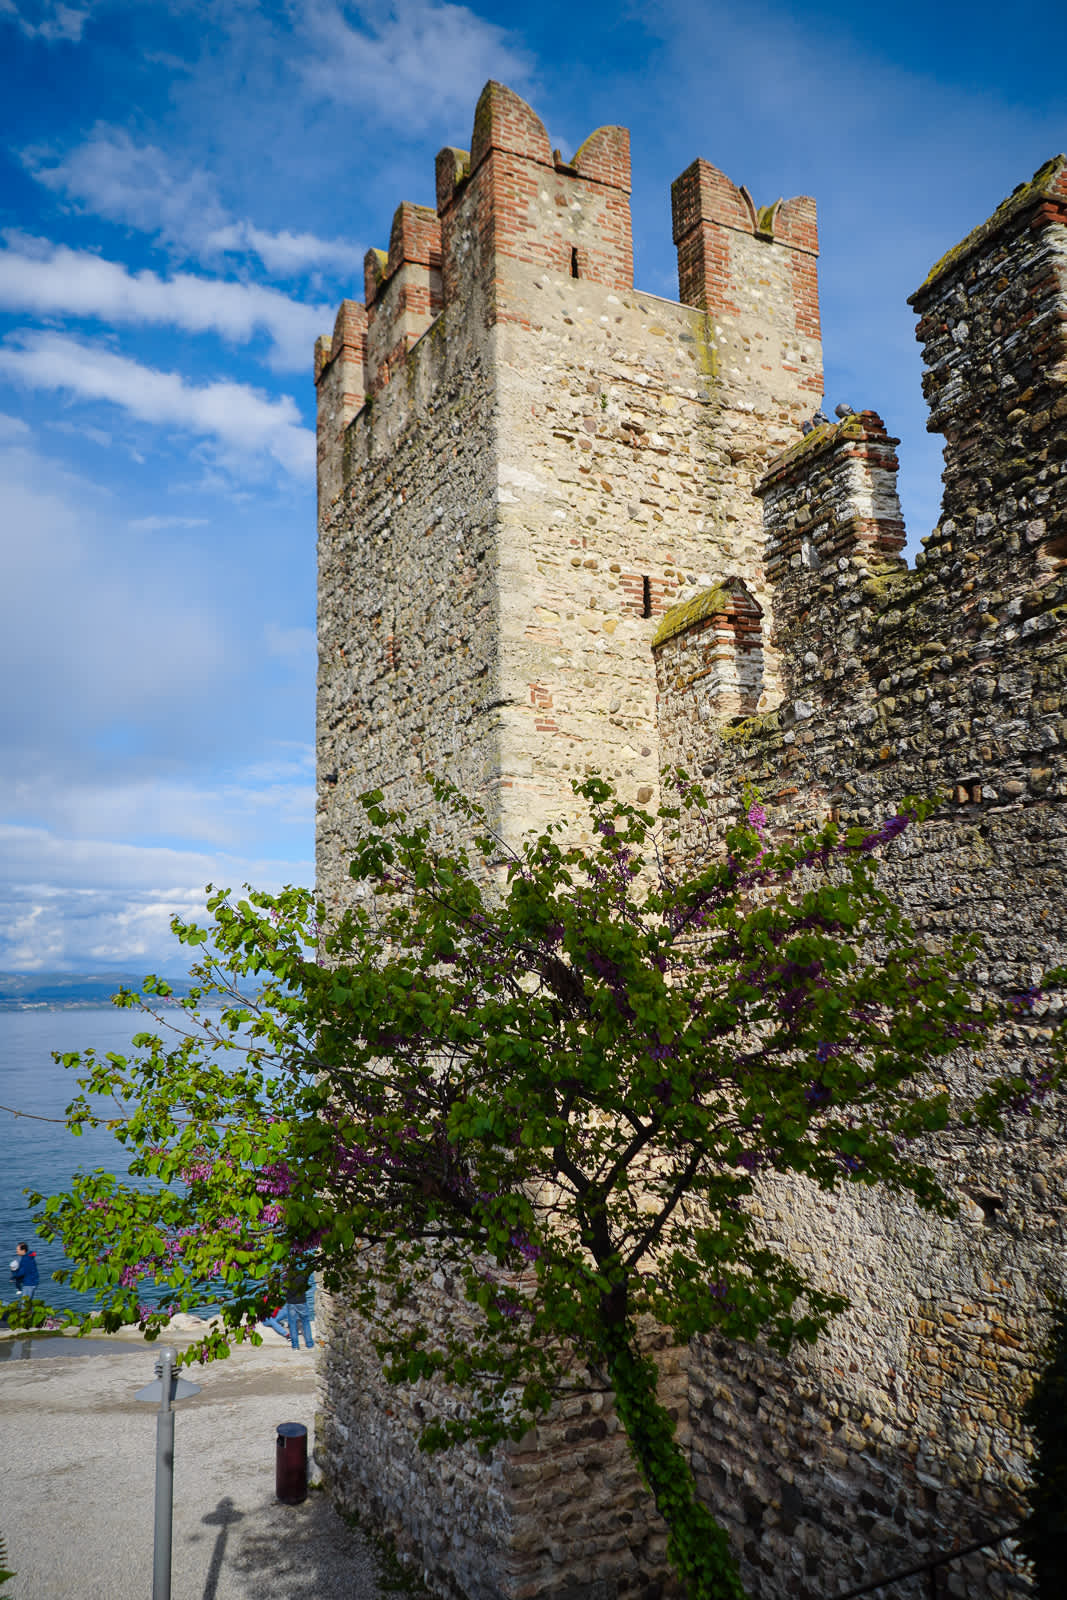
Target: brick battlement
{"x": 513, "y": 216}
{"x": 402, "y": 291}
{"x": 340, "y": 375}
{"x": 491, "y": 208}
{"x": 714, "y": 267}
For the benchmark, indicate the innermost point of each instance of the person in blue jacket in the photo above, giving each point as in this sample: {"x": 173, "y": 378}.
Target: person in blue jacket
{"x": 296, "y": 1305}
{"x": 24, "y": 1274}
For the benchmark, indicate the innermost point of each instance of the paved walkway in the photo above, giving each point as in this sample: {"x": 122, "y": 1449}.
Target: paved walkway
{"x": 77, "y": 1463}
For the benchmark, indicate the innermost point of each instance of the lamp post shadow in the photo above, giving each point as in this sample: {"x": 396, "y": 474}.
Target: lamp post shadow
{"x": 223, "y": 1517}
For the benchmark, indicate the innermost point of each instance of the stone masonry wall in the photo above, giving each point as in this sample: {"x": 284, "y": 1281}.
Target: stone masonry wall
{"x": 900, "y": 1433}
{"x": 560, "y": 1513}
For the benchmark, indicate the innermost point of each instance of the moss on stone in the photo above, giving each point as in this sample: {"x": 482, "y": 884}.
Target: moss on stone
{"x": 765, "y": 219}
{"x": 1022, "y": 196}
{"x": 746, "y": 729}
{"x": 706, "y": 604}
{"x": 880, "y": 585}
{"x": 707, "y": 352}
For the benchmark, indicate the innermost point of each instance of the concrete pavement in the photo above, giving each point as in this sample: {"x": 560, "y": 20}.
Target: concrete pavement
{"x": 77, "y": 1463}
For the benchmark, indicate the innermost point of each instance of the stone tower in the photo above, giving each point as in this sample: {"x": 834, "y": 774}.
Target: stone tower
{"x": 524, "y": 462}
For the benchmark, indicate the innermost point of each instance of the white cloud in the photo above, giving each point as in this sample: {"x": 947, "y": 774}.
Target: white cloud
{"x": 55, "y": 22}
{"x": 102, "y": 631}
{"x": 160, "y": 524}
{"x": 111, "y": 176}
{"x": 53, "y": 280}
{"x": 410, "y": 62}
{"x": 286, "y": 254}
{"x": 231, "y": 813}
{"x": 240, "y": 419}
{"x": 12, "y": 428}
{"x": 85, "y": 430}
{"x": 98, "y": 905}
{"x": 45, "y": 929}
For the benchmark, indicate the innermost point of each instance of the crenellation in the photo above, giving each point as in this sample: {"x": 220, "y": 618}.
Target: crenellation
{"x": 452, "y": 169}
{"x": 605, "y": 157}
{"x": 713, "y": 220}
{"x": 339, "y": 382}
{"x": 403, "y": 291}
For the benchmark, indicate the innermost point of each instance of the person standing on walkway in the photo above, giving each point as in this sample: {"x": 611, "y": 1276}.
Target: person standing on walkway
{"x": 24, "y": 1274}
{"x": 296, "y": 1306}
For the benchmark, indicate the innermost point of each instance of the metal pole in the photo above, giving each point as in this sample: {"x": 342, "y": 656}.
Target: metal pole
{"x": 164, "y": 1480}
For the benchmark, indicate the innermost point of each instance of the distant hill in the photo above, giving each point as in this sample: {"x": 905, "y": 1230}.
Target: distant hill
{"x": 19, "y": 989}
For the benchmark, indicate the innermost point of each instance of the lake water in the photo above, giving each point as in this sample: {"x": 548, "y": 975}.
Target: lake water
{"x": 42, "y": 1155}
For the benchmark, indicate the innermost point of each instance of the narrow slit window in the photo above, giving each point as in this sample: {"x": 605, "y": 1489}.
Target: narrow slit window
{"x": 646, "y": 597}
{"x": 575, "y": 273}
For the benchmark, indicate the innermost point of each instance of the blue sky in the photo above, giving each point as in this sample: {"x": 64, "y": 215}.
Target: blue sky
{"x": 187, "y": 190}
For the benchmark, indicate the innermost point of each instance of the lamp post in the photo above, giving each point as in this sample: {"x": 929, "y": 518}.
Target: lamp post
{"x": 167, "y": 1388}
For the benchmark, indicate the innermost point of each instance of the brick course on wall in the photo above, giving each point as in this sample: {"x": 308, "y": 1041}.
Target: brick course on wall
{"x": 540, "y": 551}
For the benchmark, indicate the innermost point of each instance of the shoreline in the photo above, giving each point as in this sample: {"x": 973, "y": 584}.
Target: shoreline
{"x": 184, "y": 1326}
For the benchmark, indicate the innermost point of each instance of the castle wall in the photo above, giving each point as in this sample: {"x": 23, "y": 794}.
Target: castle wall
{"x": 899, "y": 1434}
{"x": 408, "y": 601}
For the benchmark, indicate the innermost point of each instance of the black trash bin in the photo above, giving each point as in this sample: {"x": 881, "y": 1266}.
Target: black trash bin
{"x": 291, "y": 1464}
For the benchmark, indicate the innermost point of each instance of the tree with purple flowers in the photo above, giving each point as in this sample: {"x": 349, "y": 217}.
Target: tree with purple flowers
{"x": 555, "y": 1073}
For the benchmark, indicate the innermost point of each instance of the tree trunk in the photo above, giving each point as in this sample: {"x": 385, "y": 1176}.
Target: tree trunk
{"x": 698, "y": 1548}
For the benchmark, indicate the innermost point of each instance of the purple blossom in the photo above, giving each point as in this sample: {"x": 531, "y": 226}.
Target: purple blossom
{"x": 275, "y": 1179}
{"x": 890, "y": 830}
{"x": 602, "y": 966}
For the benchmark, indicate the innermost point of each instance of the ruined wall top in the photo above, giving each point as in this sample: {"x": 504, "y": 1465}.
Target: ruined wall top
{"x": 1044, "y": 195}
